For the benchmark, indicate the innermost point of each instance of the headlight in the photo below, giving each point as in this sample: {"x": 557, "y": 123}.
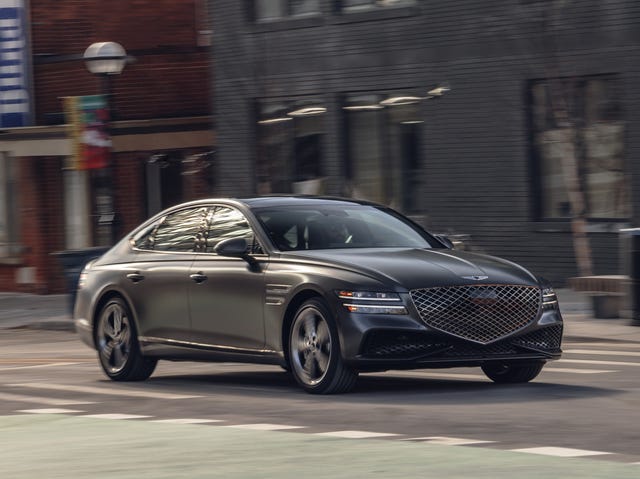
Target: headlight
{"x": 549, "y": 299}
{"x": 365, "y": 302}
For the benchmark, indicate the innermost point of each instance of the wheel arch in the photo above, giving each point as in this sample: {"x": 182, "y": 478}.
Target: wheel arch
{"x": 105, "y": 297}
{"x": 296, "y": 301}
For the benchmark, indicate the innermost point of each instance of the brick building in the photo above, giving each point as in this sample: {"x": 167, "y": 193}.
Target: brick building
{"x": 449, "y": 111}
{"x": 160, "y": 125}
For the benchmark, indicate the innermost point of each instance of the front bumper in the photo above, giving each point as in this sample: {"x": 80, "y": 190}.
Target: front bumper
{"x": 373, "y": 343}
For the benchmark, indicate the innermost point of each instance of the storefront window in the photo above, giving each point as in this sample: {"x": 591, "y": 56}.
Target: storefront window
{"x": 595, "y": 132}
{"x": 383, "y": 147}
{"x": 359, "y": 5}
{"x": 289, "y": 146}
{"x": 265, "y": 10}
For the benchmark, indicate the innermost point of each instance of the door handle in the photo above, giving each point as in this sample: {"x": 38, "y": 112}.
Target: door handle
{"x": 198, "y": 277}
{"x": 135, "y": 277}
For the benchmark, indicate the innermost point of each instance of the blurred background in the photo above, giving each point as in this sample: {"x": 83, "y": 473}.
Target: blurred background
{"x": 511, "y": 126}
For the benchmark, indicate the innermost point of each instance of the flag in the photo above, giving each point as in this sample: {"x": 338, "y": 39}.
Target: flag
{"x": 87, "y": 119}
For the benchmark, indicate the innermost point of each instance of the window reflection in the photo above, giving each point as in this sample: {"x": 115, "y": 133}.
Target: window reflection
{"x": 383, "y": 147}
{"x": 225, "y": 223}
{"x": 176, "y": 232}
{"x": 596, "y": 135}
{"x": 358, "y": 5}
{"x": 266, "y": 10}
{"x": 290, "y": 138}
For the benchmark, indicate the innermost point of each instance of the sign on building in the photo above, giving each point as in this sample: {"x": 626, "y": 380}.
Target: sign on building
{"x": 87, "y": 117}
{"x": 15, "y": 104}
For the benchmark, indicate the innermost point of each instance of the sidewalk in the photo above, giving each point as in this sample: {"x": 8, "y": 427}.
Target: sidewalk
{"x": 53, "y": 312}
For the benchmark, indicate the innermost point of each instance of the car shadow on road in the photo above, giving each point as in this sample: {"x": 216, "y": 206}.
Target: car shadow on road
{"x": 383, "y": 387}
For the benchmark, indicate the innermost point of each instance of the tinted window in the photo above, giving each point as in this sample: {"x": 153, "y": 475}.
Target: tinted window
{"x": 175, "y": 232}
{"x": 333, "y": 226}
{"x": 224, "y": 223}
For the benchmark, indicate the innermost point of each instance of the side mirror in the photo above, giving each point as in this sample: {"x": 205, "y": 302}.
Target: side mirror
{"x": 235, "y": 247}
{"x": 445, "y": 241}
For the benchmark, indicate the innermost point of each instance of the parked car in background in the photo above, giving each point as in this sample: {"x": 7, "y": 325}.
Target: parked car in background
{"x": 326, "y": 288}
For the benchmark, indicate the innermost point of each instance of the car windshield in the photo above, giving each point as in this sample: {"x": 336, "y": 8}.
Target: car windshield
{"x": 340, "y": 226}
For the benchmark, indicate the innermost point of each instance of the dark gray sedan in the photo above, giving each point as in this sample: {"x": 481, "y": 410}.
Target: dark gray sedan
{"x": 325, "y": 288}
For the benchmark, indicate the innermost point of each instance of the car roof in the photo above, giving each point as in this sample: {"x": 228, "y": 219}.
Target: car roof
{"x": 280, "y": 200}
{"x": 298, "y": 200}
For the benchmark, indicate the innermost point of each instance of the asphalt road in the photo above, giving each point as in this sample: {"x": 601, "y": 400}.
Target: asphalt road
{"x": 60, "y": 417}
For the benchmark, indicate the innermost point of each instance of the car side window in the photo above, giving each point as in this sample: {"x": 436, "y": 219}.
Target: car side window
{"x": 225, "y": 223}
{"x": 175, "y": 232}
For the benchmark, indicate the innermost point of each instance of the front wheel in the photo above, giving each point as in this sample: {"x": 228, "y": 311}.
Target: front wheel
{"x": 314, "y": 351}
{"x": 512, "y": 372}
{"x": 117, "y": 344}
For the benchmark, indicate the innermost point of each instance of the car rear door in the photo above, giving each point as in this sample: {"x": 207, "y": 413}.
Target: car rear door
{"x": 158, "y": 281}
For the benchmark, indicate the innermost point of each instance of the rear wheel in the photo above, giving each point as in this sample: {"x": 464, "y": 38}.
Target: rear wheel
{"x": 117, "y": 344}
{"x": 512, "y": 372}
{"x": 314, "y": 351}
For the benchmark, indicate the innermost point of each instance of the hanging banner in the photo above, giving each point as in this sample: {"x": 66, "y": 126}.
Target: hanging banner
{"x": 87, "y": 117}
{"x": 15, "y": 88}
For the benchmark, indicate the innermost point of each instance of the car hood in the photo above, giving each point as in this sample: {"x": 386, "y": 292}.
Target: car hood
{"x": 424, "y": 268}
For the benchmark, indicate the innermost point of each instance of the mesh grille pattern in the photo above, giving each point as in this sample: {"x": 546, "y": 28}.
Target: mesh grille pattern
{"x": 547, "y": 338}
{"x": 482, "y": 313}
{"x": 399, "y": 346}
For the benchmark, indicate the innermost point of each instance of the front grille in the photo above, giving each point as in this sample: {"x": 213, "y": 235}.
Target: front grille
{"x": 482, "y": 313}
{"x": 414, "y": 345}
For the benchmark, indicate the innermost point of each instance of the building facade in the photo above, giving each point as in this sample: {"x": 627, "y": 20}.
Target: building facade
{"x": 160, "y": 126}
{"x": 500, "y": 121}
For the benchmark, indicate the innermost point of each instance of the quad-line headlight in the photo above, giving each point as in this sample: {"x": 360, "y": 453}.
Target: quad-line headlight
{"x": 549, "y": 298}
{"x": 372, "y": 302}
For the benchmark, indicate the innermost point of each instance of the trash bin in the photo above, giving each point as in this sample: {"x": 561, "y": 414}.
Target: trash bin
{"x": 72, "y": 262}
{"x": 630, "y": 257}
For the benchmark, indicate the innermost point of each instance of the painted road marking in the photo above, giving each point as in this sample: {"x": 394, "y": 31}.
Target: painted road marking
{"x": 425, "y": 374}
{"x": 596, "y": 361}
{"x": 355, "y": 434}
{"x": 116, "y": 416}
{"x": 264, "y": 427}
{"x": 598, "y": 352}
{"x": 108, "y": 392}
{"x": 187, "y": 421}
{"x": 560, "y": 451}
{"x": 50, "y": 411}
{"x": 48, "y": 365}
{"x": 552, "y": 369}
{"x": 449, "y": 441}
{"x": 41, "y": 400}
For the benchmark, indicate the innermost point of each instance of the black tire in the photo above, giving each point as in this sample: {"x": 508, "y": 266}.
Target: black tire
{"x": 117, "y": 344}
{"x": 314, "y": 351}
{"x": 505, "y": 373}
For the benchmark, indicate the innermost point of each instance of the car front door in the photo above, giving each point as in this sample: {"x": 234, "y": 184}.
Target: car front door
{"x": 226, "y": 294}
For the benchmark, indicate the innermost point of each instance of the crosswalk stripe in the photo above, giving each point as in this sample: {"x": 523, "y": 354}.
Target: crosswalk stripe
{"x": 597, "y": 361}
{"x": 264, "y": 427}
{"x": 116, "y": 416}
{"x": 187, "y": 421}
{"x": 355, "y": 434}
{"x": 429, "y": 374}
{"x": 50, "y": 411}
{"x": 612, "y": 345}
{"x": 598, "y": 352}
{"x": 552, "y": 369}
{"x": 108, "y": 392}
{"x": 36, "y": 366}
{"x": 449, "y": 441}
{"x": 41, "y": 400}
{"x": 560, "y": 451}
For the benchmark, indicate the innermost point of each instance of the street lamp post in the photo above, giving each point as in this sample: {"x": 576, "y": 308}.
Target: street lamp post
{"x": 105, "y": 59}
